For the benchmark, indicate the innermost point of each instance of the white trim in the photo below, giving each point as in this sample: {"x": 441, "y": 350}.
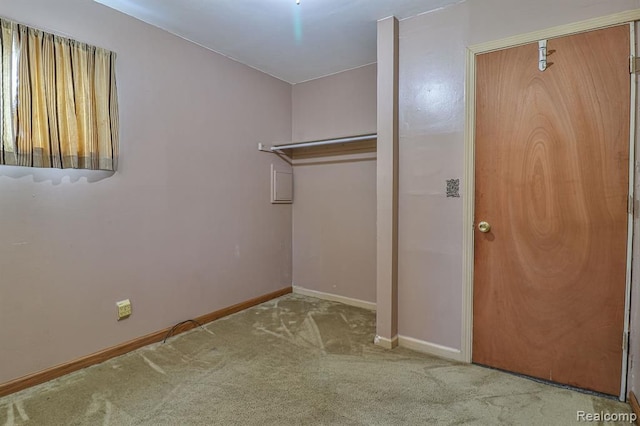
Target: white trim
{"x": 335, "y": 298}
{"x": 335, "y": 73}
{"x": 468, "y": 208}
{"x": 469, "y": 172}
{"x": 386, "y": 343}
{"x": 430, "y": 348}
{"x": 632, "y": 160}
{"x": 559, "y": 31}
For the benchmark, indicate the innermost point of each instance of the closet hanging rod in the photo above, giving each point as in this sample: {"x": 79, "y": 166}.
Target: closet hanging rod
{"x": 325, "y": 142}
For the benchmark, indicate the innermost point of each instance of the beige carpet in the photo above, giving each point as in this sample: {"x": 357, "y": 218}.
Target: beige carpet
{"x": 292, "y": 361}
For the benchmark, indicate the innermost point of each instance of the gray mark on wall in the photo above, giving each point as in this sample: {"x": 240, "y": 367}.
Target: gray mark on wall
{"x": 453, "y": 188}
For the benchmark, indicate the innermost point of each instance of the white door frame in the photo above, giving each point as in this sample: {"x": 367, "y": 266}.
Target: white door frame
{"x": 469, "y": 161}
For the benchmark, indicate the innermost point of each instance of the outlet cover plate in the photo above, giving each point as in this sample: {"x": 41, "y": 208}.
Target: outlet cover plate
{"x": 124, "y": 309}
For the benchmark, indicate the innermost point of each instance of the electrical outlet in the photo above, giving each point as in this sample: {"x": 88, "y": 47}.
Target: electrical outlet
{"x": 124, "y": 309}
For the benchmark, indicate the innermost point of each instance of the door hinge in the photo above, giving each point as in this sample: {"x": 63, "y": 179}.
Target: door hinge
{"x": 630, "y": 205}
{"x": 625, "y": 340}
{"x": 634, "y": 65}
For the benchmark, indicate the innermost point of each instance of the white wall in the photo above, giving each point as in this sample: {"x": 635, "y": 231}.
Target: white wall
{"x": 184, "y": 227}
{"x": 432, "y": 64}
{"x": 334, "y": 208}
{"x": 342, "y": 104}
{"x": 334, "y": 228}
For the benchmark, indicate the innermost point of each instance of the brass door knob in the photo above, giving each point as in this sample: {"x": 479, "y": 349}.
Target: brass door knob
{"x": 484, "y": 227}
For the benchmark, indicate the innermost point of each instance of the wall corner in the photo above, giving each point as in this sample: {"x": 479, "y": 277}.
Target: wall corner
{"x": 387, "y": 180}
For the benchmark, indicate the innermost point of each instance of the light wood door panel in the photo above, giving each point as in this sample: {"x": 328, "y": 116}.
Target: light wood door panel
{"x": 552, "y": 153}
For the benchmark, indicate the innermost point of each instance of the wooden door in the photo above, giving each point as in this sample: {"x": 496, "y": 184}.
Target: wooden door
{"x": 552, "y": 151}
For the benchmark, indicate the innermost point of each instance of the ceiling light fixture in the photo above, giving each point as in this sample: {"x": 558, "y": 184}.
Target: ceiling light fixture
{"x": 298, "y": 2}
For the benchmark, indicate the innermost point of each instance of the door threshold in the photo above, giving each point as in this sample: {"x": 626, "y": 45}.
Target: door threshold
{"x": 551, "y": 383}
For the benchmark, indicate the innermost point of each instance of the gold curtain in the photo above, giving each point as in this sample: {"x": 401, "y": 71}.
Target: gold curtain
{"x": 58, "y": 101}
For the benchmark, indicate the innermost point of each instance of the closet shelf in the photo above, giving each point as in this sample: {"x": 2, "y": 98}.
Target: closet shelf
{"x": 279, "y": 148}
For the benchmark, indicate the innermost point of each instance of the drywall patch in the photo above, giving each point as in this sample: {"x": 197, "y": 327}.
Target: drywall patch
{"x": 453, "y": 188}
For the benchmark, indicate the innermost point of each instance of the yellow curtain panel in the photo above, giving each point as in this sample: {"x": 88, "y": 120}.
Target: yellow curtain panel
{"x": 58, "y": 101}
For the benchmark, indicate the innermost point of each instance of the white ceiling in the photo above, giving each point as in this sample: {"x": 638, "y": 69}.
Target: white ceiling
{"x": 292, "y": 42}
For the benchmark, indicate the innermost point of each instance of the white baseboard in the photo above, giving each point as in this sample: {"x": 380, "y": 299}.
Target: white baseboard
{"x": 430, "y": 348}
{"x": 335, "y": 298}
{"x": 386, "y": 343}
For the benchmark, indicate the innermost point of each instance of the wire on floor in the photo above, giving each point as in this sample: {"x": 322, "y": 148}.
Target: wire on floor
{"x": 173, "y": 329}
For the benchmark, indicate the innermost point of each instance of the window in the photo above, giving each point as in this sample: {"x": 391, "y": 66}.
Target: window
{"x": 58, "y": 101}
